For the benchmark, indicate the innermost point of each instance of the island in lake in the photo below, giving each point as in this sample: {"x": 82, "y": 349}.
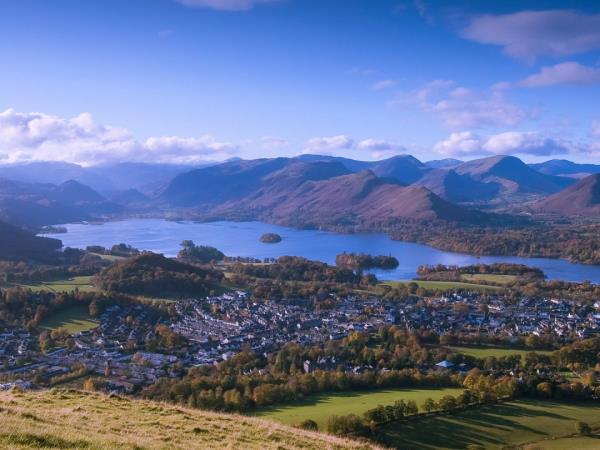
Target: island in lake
{"x": 270, "y": 238}
{"x": 360, "y": 261}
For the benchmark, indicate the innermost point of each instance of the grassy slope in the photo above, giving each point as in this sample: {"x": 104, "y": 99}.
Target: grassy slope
{"x": 483, "y": 352}
{"x": 72, "y": 419}
{"x": 82, "y": 283}
{"x": 73, "y": 319}
{"x": 515, "y": 423}
{"x": 443, "y": 285}
{"x": 492, "y": 278}
{"x": 320, "y": 407}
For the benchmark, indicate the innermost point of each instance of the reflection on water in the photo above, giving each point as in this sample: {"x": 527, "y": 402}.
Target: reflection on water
{"x": 242, "y": 239}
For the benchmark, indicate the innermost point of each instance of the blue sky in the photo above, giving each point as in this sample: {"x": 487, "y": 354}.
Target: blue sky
{"x": 190, "y": 80}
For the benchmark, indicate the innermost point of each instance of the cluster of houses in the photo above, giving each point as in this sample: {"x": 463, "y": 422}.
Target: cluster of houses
{"x": 220, "y": 326}
{"x": 467, "y": 313}
{"x": 120, "y": 350}
{"x": 14, "y": 344}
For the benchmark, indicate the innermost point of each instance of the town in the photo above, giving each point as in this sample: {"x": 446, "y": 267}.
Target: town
{"x": 122, "y": 348}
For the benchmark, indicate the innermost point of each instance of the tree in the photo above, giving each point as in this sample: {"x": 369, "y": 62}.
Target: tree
{"x": 347, "y": 425}
{"x": 447, "y": 403}
{"x": 583, "y": 428}
{"x": 544, "y": 389}
{"x": 309, "y": 424}
{"x": 429, "y": 405}
{"x": 411, "y": 407}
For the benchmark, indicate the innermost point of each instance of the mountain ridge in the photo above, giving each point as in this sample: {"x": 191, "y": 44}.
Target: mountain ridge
{"x": 582, "y": 198}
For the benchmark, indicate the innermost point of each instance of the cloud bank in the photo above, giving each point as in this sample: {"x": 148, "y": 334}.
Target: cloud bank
{"x": 328, "y": 144}
{"x": 460, "y": 107}
{"x": 567, "y": 73}
{"x": 527, "y": 35}
{"x": 469, "y": 144}
{"x": 43, "y": 137}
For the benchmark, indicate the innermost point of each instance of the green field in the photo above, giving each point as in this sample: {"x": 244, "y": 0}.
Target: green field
{"x": 74, "y": 319}
{"x": 568, "y": 443}
{"x": 111, "y": 258}
{"x": 489, "y": 277}
{"x": 496, "y": 426}
{"x": 82, "y": 283}
{"x": 484, "y": 352}
{"x": 443, "y": 285}
{"x": 320, "y": 407}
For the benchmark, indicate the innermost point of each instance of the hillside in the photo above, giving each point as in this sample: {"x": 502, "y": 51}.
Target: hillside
{"x": 221, "y": 183}
{"x": 564, "y": 167}
{"x": 36, "y": 204}
{"x": 355, "y": 198}
{"x": 151, "y": 273}
{"x": 443, "y": 163}
{"x": 491, "y": 179}
{"x": 16, "y": 243}
{"x": 105, "y": 178}
{"x": 72, "y": 419}
{"x": 403, "y": 168}
{"x": 583, "y": 198}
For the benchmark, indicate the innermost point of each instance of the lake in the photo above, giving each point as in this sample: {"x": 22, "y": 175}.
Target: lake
{"x": 242, "y": 239}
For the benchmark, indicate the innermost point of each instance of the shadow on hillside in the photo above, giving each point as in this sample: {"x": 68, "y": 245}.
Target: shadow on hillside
{"x": 484, "y": 426}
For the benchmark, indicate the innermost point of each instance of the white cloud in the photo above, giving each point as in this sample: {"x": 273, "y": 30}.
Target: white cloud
{"x": 460, "y": 107}
{"x": 328, "y": 144}
{"x": 459, "y": 144}
{"x": 383, "y": 84}
{"x": 467, "y": 143}
{"x": 380, "y": 148}
{"x": 527, "y": 35}
{"x": 570, "y": 73}
{"x": 596, "y": 128}
{"x": 225, "y": 5}
{"x": 378, "y": 144}
{"x": 43, "y": 137}
{"x": 274, "y": 143}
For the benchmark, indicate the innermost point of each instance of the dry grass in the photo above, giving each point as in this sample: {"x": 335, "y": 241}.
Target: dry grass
{"x": 69, "y": 419}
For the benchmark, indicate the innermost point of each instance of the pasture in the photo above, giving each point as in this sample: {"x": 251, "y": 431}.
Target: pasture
{"x": 74, "y": 319}
{"x": 443, "y": 285}
{"x": 484, "y": 352}
{"x": 81, "y": 283}
{"x": 489, "y": 277}
{"x": 319, "y": 407}
{"x": 515, "y": 423}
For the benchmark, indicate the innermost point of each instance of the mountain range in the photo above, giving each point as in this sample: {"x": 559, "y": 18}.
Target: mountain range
{"x": 300, "y": 190}
{"x": 297, "y": 194}
{"x": 492, "y": 179}
{"x": 36, "y": 204}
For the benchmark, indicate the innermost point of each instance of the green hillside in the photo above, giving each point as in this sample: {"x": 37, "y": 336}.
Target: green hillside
{"x": 80, "y": 420}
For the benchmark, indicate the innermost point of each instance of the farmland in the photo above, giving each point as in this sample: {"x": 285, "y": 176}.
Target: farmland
{"x": 496, "y": 426}
{"x": 484, "y": 352}
{"x": 488, "y": 277}
{"x": 74, "y": 319}
{"x": 81, "y": 283}
{"x": 320, "y": 407}
{"x": 443, "y": 285}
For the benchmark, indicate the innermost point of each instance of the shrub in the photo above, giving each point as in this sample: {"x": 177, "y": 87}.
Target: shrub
{"x": 583, "y": 428}
{"x": 309, "y": 424}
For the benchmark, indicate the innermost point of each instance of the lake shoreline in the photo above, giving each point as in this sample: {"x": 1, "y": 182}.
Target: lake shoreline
{"x": 242, "y": 239}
